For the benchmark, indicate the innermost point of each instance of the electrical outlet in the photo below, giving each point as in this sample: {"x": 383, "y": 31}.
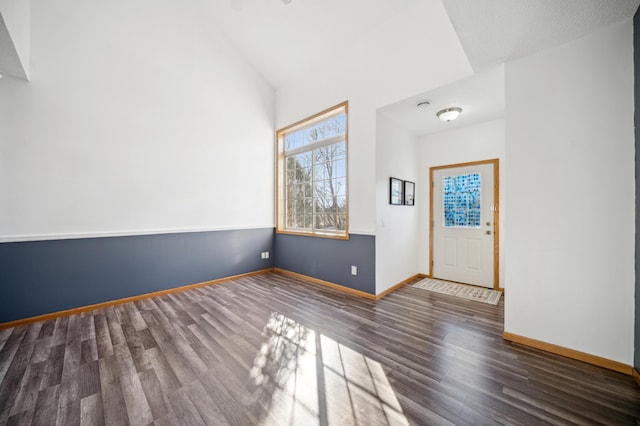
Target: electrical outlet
{"x": 354, "y": 270}
{"x": 266, "y": 254}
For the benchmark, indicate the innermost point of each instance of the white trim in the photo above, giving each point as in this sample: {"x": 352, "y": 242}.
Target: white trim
{"x": 362, "y": 232}
{"x": 76, "y": 236}
{"x": 80, "y": 235}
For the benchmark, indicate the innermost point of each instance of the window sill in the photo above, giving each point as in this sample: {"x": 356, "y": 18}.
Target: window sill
{"x": 313, "y": 234}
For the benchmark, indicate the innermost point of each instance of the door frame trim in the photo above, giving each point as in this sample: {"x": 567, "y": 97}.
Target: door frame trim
{"x": 496, "y": 214}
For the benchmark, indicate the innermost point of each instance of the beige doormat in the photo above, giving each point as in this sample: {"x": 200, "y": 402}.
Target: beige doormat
{"x": 479, "y": 294}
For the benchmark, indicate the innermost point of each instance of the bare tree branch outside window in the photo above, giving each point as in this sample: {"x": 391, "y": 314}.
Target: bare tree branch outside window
{"x": 316, "y": 177}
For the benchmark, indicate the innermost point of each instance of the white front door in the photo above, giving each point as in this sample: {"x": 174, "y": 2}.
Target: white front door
{"x": 463, "y": 223}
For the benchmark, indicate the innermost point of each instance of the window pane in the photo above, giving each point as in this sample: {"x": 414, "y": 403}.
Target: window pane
{"x": 332, "y": 127}
{"x": 340, "y": 186}
{"x": 330, "y": 222}
{"x": 291, "y": 222}
{"x": 291, "y": 163}
{"x": 340, "y": 168}
{"x": 320, "y": 171}
{"x": 308, "y": 221}
{"x": 333, "y": 152}
{"x": 308, "y": 206}
{"x": 330, "y": 162}
{"x": 291, "y": 177}
{"x": 461, "y": 201}
{"x": 322, "y": 205}
{"x": 299, "y": 161}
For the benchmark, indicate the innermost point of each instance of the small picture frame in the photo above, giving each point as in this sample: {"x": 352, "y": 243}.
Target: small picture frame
{"x": 409, "y": 193}
{"x": 396, "y": 191}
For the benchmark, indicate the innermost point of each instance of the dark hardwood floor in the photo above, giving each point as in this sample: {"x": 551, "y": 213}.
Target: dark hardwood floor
{"x": 270, "y": 349}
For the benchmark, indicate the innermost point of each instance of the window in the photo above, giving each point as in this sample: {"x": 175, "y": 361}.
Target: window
{"x": 462, "y": 201}
{"x": 312, "y": 175}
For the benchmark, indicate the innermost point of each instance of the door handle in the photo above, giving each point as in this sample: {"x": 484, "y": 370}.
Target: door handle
{"x": 488, "y": 232}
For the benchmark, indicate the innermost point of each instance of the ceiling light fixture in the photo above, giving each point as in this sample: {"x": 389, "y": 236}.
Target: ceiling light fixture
{"x": 423, "y": 103}
{"x": 449, "y": 114}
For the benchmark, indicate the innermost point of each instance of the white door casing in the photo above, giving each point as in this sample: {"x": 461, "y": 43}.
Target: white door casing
{"x": 464, "y": 223}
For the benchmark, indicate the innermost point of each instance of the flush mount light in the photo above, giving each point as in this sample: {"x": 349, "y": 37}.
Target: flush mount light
{"x": 423, "y": 103}
{"x": 449, "y": 114}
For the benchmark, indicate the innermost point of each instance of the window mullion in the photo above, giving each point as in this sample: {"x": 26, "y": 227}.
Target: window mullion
{"x": 315, "y": 145}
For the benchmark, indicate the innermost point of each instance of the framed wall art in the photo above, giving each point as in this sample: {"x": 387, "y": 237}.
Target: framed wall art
{"x": 409, "y": 191}
{"x": 395, "y": 191}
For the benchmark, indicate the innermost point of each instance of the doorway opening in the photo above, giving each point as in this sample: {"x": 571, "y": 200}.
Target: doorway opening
{"x": 464, "y": 223}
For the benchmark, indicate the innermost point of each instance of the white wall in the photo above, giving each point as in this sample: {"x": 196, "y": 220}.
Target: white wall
{"x": 570, "y": 205}
{"x": 396, "y": 236}
{"x": 139, "y": 118}
{"x": 482, "y": 141}
{"x": 380, "y": 68}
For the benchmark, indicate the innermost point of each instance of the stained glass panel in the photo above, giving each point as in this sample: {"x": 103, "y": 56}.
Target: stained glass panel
{"x": 461, "y": 201}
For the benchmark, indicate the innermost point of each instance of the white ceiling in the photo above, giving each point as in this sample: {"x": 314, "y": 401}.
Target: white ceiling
{"x": 493, "y": 32}
{"x": 496, "y": 31}
{"x": 284, "y": 41}
{"x": 480, "y": 96}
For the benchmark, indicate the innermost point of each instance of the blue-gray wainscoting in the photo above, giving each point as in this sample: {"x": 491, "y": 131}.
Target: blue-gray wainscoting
{"x": 39, "y": 277}
{"x": 329, "y": 259}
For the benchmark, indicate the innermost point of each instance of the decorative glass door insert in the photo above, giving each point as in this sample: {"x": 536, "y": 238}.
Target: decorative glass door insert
{"x": 461, "y": 201}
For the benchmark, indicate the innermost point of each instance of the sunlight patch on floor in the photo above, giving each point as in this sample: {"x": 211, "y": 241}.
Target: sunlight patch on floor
{"x": 300, "y": 376}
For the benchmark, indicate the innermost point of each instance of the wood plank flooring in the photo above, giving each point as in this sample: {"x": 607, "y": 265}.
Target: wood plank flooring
{"x": 270, "y": 349}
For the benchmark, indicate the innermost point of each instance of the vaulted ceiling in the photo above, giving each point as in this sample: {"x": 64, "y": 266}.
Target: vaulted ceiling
{"x": 286, "y": 40}
{"x": 283, "y": 41}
